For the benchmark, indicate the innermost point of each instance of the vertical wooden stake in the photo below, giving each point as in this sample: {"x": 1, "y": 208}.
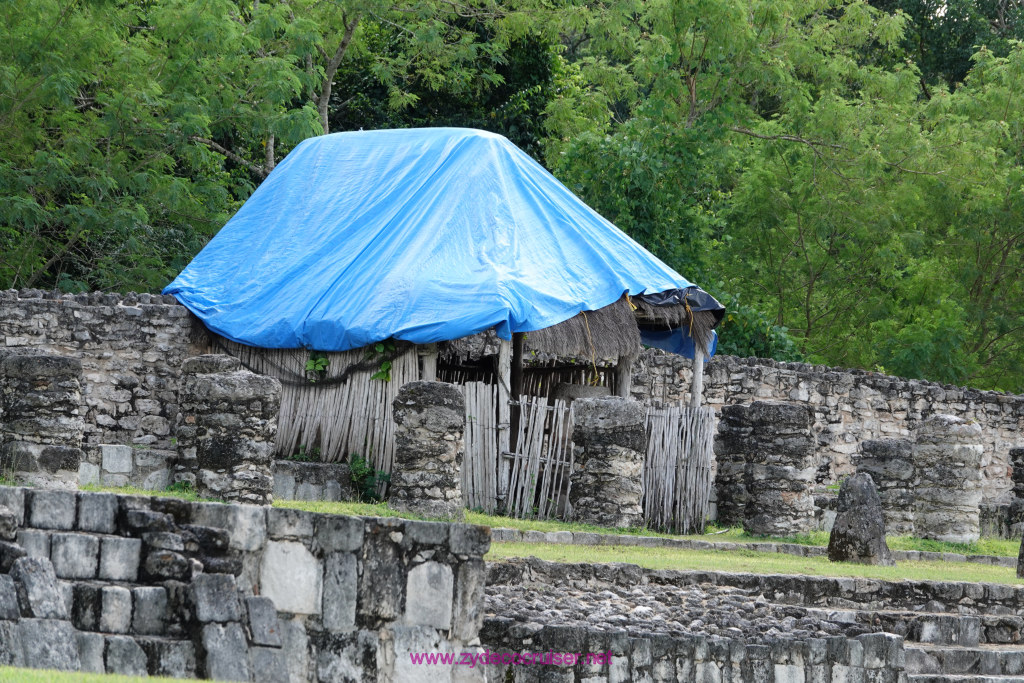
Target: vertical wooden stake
{"x": 697, "y": 387}
{"x": 504, "y": 423}
{"x": 624, "y": 376}
{"x": 428, "y": 358}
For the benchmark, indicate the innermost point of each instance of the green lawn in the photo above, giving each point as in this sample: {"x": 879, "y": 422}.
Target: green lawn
{"x": 753, "y": 562}
{"x": 985, "y": 546}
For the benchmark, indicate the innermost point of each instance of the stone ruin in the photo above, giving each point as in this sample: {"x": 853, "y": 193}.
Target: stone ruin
{"x": 606, "y": 483}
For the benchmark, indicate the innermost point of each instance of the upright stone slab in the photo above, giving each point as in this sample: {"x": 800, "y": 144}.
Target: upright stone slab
{"x": 226, "y": 435}
{"x": 731, "y": 448}
{"x": 779, "y": 468}
{"x": 858, "y": 534}
{"x": 890, "y": 462}
{"x": 610, "y": 443}
{"x": 40, "y": 426}
{"x": 947, "y": 458}
{"x": 429, "y": 448}
{"x": 1016, "y": 519}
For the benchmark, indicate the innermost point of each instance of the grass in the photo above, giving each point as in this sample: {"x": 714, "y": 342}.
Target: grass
{"x": 8, "y": 673}
{"x": 753, "y": 562}
{"x": 985, "y": 546}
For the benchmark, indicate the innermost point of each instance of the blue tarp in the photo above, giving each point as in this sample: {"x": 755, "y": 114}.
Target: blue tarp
{"x": 423, "y": 235}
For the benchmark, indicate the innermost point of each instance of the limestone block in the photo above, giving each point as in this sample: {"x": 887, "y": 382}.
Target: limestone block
{"x": 8, "y": 599}
{"x": 150, "y": 614}
{"x": 36, "y": 584}
{"x": 90, "y": 652}
{"x": 97, "y": 512}
{"x": 116, "y": 609}
{"x": 429, "y": 447}
{"x": 291, "y": 577}
{"x": 429, "y": 591}
{"x": 858, "y": 534}
{"x": 170, "y": 658}
{"x": 116, "y": 459}
{"x": 264, "y": 626}
{"x": 124, "y": 656}
{"x": 51, "y": 509}
{"x": 227, "y": 656}
{"x": 269, "y": 665}
{"x": 74, "y": 556}
{"x": 340, "y": 584}
{"x": 947, "y": 457}
{"x": 245, "y": 524}
{"x": 214, "y": 597}
{"x": 610, "y": 443}
{"x": 48, "y": 644}
{"x": 119, "y": 558}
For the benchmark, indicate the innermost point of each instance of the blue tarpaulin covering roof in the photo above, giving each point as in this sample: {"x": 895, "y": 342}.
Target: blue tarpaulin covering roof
{"x": 423, "y": 235}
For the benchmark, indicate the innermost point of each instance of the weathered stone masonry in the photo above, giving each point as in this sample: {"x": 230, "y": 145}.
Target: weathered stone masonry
{"x": 131, "y": 347}
{"x": 850, "y": 406}
{"x": 134, "y": 585}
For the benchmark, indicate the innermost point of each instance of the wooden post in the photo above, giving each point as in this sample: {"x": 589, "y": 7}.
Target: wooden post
{"x": 624, "y": 376}
{"x": 516, "y": 385}
{"x": 697, "y": 387}
{"x": 428, "y": 359}
{"x": 504, "y": 422}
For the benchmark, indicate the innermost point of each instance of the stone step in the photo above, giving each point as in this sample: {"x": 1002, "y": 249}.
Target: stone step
{"x": 939, "y": 628}
{"x": 985, "y": 660}
{"x": 962, "y": 678}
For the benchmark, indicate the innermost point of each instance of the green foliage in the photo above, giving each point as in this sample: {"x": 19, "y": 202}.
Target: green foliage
{"x": 383, "y": 352}
{"x": 366, "y": 480}
{"x": 304, "y": 455}
{"x": 746, "y": 332}
{"x": 316, "y": 366}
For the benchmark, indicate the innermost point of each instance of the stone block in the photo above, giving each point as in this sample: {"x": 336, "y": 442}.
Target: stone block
{"x": 49, "y": 644}
{"x": 340, "y": 583}
{"x": 288, "y": 524}
{"x": 51, "y": 509}
{"x": 381, "y": 594}
{"x": 245, "y": 524}
{"x": 163, "y": 540}
{"x": 9, "y": 523}
{"x": 97, "y": 512}
{"x": 269, "y": 665}
{"x": 74, "y": 556}
{"x": 116, "y": 610}
{"x": 88, "y": 475}
{"x": 90, "y": 652}
{"x": 335, "y": 533}
{"x": 124, "y": 656}
{"x": 227, "y": 656}
{"x": 9, "y": 609}
{"x": 9, "y": 554}
{"x": 11, "y": 653}
{"x": 470, "y": 539}
{"x": 467, "y": 617}
{"x": 296, "y": 649}
{"x": 116, "y": 459}
{"x": 339, "y": 656}
{"x": 86, "y": 606}
{"x": 169, "y": 658}
{"x": 264, "y": 626}
{"x": 429, "y": 591}
{"x": 149, "y": 616}
{"x": 411, "y": 639}
{"x": 291, "y": 577}
{"x": 163, "y": 565}
{"x": 119, "y": 558}
{"x": 214, "y": 597}
{"x": 13, "y": 498}
{"x": 36, "y": 543}
{"x": 38, "y": 594}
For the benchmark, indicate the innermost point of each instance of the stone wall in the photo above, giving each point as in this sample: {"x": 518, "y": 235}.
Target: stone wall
{"x": 128, "y": 584}
{"x": 296, "y": 480}
{"x": 849, "y": 406}
{"x": 131, "y": 347}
